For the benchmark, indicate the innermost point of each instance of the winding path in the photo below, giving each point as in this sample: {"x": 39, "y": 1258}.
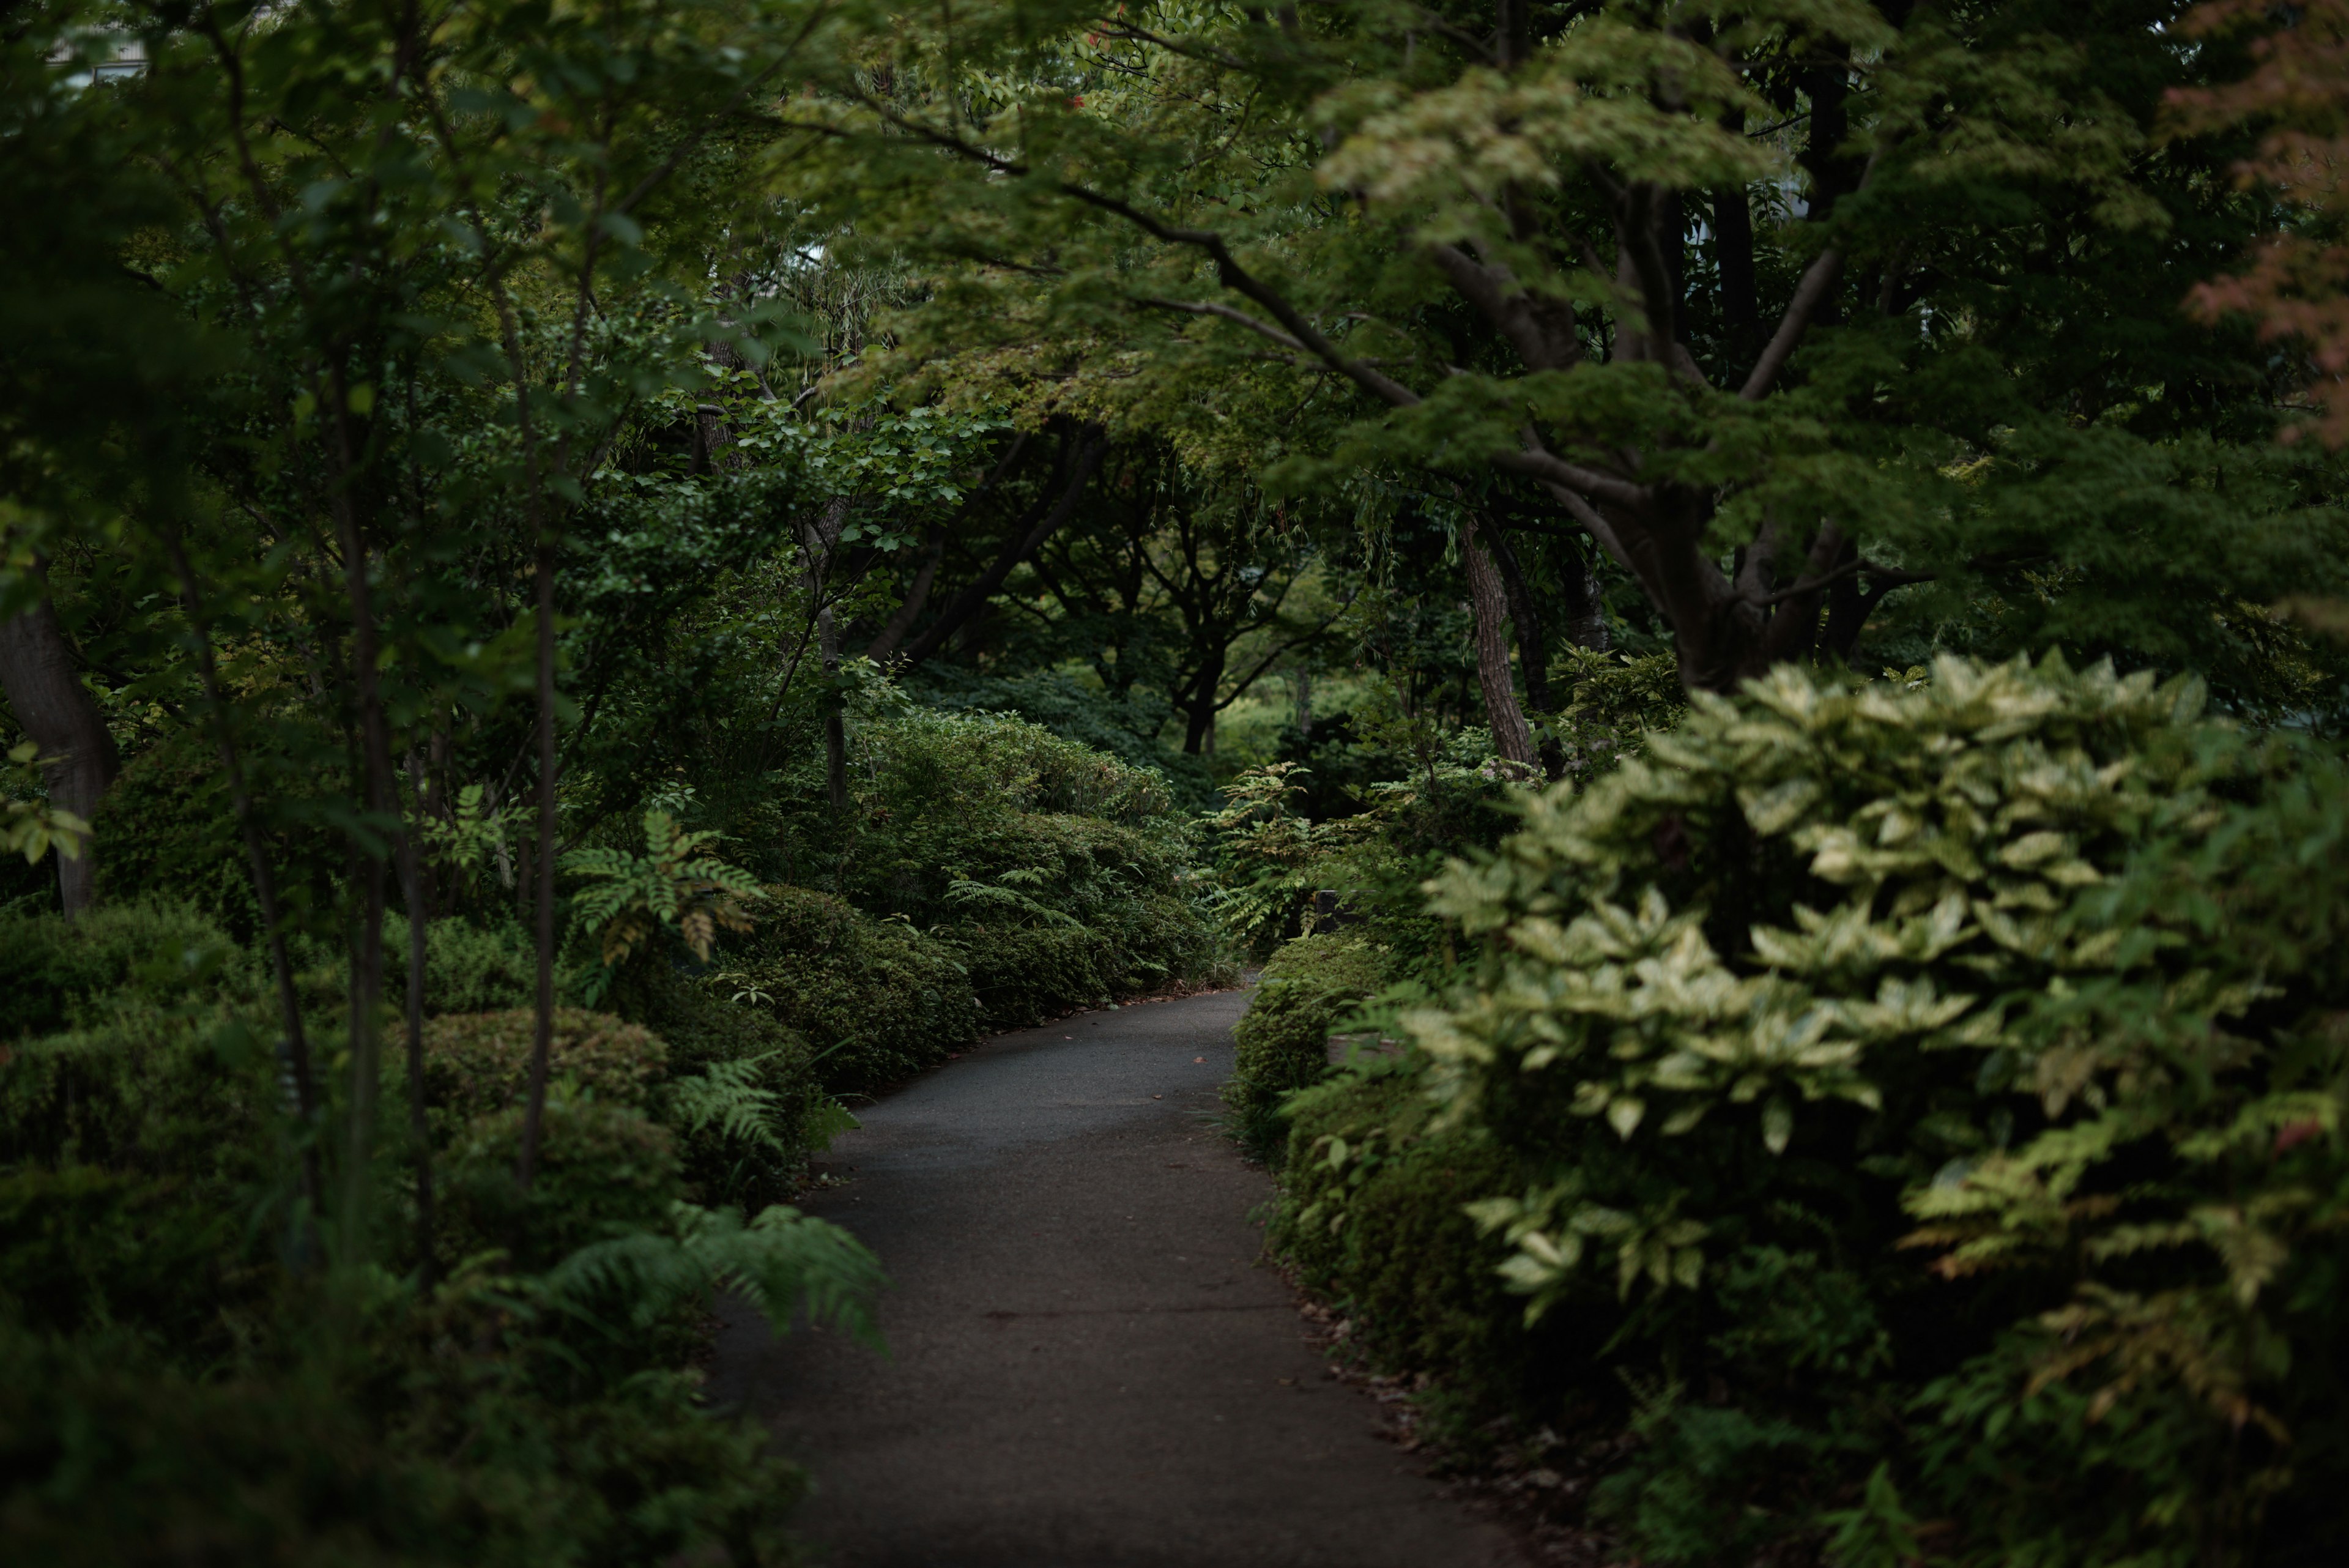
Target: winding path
{"x": 1087, "y": 1367}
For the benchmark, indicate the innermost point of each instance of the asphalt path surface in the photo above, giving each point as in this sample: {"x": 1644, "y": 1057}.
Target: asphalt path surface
{"x": 1088, "y": 1367}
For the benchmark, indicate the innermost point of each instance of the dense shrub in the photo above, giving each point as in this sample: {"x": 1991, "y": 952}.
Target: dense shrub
{"x": 603, "y": 1168}
{"x": 1283, "y": 1040}
{"x": 732, "y": 1089}
{"x": 184, "y": 1379}
{"x": 878, "y": 999}
{"x": 1941, "y": 1074}
{"x": 112, "y": 1458}
{"x": 743, "y": 1094}
{"x": 166, "y": 830}
{"x": 1374, "y": 1214}
{"x": 467, "y": 968}
{"x": 479, "y": 1064}
{"x": 1024, "y": 974}
{"x": 973, "y": 825}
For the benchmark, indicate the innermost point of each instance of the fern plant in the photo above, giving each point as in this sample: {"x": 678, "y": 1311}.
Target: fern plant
{"x": 780, "y": 1261}
{"x": 675, "y": 884}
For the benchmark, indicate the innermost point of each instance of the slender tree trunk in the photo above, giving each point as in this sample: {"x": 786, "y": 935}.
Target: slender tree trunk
{"x": 1533, "y": 646}
{"x": 1733, "y": 242}
{"x": 835, "y": 723}
{"x": 819, "y": 545}
{"x": 416, "y": 894}
{"x": 294, "y": 1049}
{"x": 37, "y": 670}
{"x": 1512, "y": 737}
{"x": 542, "y": 1043}
{"x": 383, "y": 807}
{"x": 1586, "y": 610}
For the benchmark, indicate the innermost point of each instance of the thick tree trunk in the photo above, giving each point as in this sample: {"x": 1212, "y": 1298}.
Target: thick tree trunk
{"x": 37, "y": 670}
{"x": 1199, "y": 707}
{"x": 1512, "y": 737}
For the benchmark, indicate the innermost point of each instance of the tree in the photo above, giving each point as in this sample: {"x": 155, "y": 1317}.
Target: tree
{"x": 1784, "y": 306}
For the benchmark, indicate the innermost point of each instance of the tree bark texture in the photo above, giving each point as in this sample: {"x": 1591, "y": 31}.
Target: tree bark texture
{"x": 40, "y": 675}
{"x": 1512, "y": 737}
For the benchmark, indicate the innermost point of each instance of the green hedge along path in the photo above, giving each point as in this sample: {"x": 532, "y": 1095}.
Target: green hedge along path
{"x": 1087, "y": 1368}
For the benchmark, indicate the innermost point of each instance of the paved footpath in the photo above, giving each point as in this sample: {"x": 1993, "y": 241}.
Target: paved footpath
{"x": 1087, "y": 1365}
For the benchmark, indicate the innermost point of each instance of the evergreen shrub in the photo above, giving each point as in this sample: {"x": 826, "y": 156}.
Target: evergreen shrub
{"x": 776, "y": 1111}
{"x": 1942, "y": 1075}
{"x": 479, "y": 1064}
{"x": 605, "y": 1167}
{"x": 877, "y": 999}
{"x": 974, "y": 825}
{"x": 166, "y": 830}
{"x": 1282, "y": 1040}
{"x": 1373, "y": 1215}
{"x": 1021, "y": 975}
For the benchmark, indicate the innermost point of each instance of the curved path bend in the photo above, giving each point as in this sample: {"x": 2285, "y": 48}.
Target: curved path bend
{"x": 1087, "y": 1366}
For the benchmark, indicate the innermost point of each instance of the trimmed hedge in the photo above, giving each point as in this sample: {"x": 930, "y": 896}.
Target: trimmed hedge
{"x": 877, "y": 999}
{"x": 1283, "y": 1039}
{"x": 1382, "y": 1231}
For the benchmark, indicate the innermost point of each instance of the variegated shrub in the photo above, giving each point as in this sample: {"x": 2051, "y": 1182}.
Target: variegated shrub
{"x": 1998, "y": 972}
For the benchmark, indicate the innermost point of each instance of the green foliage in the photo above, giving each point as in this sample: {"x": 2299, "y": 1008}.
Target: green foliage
{"x": 605, "y": 1169}
{"x": 31, "y": 825}
{"x": 1372, "y": 1216}
{"x": 673, "y": 886}
{"x": 2010, "y": 950}
{"x": 780, "y": 1261}
{"x": 1283, "y": 1040}
{"x": 879, "y": 999}
{"x": 1612, "y": 701}
{"x": 1269, "y": 856}
{"x": 467, "y": 968}
{"x": 478, "y": 1064}
{"x": 166, "y": 834}
{"x": 117, "y": 1458}
{"x": 1058, "y": 876}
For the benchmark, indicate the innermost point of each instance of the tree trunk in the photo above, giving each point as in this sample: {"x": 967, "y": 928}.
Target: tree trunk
{"x": 1199, "y": 707}
{"x": 917, "y": 598}
{"x": 819, "y": 545}
{"x": 37, "y": 670}
{"x": 295, "y": 1051}
{"x": 1512, "y": 738}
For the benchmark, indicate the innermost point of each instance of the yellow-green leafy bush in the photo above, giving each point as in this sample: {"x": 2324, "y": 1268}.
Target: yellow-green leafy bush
{"x": 1282, "y": 1042}
{"x": 1991, "y": 1015}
